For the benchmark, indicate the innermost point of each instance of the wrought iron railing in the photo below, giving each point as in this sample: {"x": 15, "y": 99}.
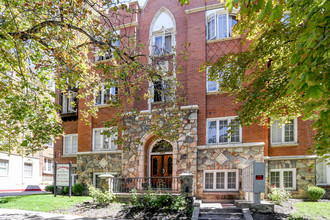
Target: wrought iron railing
{"x": 143, "y": 184}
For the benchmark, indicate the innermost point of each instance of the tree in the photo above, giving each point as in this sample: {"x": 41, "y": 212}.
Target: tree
{"x": 42, "y": 41}
{"x": 285, "y": 68}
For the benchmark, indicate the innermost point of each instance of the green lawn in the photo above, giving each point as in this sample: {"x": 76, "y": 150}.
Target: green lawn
{"x": 312, "y": 210}
{"x": 43, "y": 203}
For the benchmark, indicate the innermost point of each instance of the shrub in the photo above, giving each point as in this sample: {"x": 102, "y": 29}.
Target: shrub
{"x": 77, "y": 189}
{"x": 66, "y": 190}
{"x": 50, "y": 188}
{"x": 315, "y": 193}
{"x": 102, "y": 198}
{"x": 278, "y": 195}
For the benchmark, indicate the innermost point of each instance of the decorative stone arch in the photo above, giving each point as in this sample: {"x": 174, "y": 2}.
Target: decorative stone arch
{"x": 148, "y": 141}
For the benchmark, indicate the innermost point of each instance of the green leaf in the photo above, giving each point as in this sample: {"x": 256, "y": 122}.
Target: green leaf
{"x": 314, "y": 92}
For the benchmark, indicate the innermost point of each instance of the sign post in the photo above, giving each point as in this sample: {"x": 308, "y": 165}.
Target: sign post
{"x": 55, "y": 174}
{"x": 70, "y": 178}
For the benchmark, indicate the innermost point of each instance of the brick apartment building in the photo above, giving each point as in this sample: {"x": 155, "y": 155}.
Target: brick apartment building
{"x": 203, "y": 147}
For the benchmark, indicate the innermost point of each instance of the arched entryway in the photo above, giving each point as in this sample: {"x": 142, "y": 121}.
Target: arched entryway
{"x": 161, "y": 163}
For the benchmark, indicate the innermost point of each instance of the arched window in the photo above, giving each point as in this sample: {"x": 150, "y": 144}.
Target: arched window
{"x": 161, "y": 147}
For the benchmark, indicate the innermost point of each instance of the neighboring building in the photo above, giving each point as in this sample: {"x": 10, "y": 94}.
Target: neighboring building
{"x": 203, "y": 147}
{"x": 26, "y": 173}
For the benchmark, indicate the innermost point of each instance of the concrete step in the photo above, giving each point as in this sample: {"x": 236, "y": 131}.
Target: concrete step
{"x": 221, "y": 215}
{"x": 221, "y": 210}
{"x": 221, "y": 218}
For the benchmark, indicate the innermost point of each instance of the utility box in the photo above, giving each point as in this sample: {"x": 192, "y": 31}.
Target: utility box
{"x": 254, "y": 181}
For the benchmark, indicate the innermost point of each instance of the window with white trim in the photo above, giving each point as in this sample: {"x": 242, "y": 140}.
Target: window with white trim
{"x": 220, "y": 180}
{"x": 4, "y": 167}
{"x": 102, "y": 141}
{"x": 162, "y": 42}
{"x": 323, "y": 172}
{"x": 160, "y": 88}
{"x": 283, "y": 178}
{"x": 69, "y": 102}
{"x": 213, "y": 86}
{"x": 104, "y": 95}
{"x": 219, "y": 24}
{"x": 106, "y": 55}
{"x": 48, "y": 165}
{"x": 284, "y": 133}
{"x": 218, "y": 130}
{"x": 70, "y": 144}
{"x": 28, "y": 169}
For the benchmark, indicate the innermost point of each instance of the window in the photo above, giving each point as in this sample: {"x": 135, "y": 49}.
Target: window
{"x": 160, "y": 88}
{"x": 284, "y": 133}
{"x": 106, "y": 55}
{"x": 218, "y": 130}
{"x": 212, "y": 86}
{"x": 162, "y": 42}
{"x": 4, "y": 167}
{"x": 322, "y": 173}
{"x": 27, "y": 170}
{"x": 283, "y": 178}
{"x": 70, "y": 144}
{"x": 48, "y": 166}
{"x": 69, "y": 102}
{"x": 219, "y": 24}
{"x": 106, "y": 94}
{"x": 220, "y": 180}
{"x": 102, "y": 142}
{"x": 50, "y": 144}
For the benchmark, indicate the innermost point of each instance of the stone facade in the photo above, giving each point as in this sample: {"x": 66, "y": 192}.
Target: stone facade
{"x": 136, "y": 158}
{"x": 225, "y": 158}
{"x": 305, "y": 173}
{"x": 87, "y": 164}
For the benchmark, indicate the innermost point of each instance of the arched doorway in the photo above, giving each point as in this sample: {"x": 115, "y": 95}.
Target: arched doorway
{"x": 161, "y": 164}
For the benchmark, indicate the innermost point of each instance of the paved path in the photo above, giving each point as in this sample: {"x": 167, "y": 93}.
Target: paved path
{"x": 4, "y": 194}
{"x": 9, "y": 214}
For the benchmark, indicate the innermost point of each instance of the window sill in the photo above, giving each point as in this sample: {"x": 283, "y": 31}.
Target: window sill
{"x": 102, "y": 105}
{"x": 163, "y": 55}
{"x": 213, "y": 146}
{"x": 223, "y": 39}
{"x": 69, "y": 155}
{"x": 100, "y": 152}
{"x": 160, "y": 102}
{"x": 102, "y": 61}
{"x": 213, "y": 93}
{"x": 224, "y": 191}
{"x": 285, "y": 145}
{"x": 47, "y": 172}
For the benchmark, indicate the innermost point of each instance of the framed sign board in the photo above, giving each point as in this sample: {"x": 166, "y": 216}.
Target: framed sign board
{"x": 62, "y": 174}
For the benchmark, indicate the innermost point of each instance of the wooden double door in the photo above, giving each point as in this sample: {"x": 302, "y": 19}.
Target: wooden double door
{"x": 161, "y": 171}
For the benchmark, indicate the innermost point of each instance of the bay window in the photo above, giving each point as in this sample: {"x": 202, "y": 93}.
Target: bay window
{"x": 220, "y": 180}
{"x": 218, "y": 130}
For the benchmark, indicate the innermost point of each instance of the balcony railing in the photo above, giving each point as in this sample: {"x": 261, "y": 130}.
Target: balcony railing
{"x": 143, "y": 184}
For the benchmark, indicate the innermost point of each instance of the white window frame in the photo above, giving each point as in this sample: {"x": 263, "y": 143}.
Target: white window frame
{"x": 215, "y": 15}
{"x": 31, "y": 174}
{"x": 112, "y": 95}
{"x": 68, "y": 109}
{"x": 207, "y": 82}
{"x": 217, "y": 135}
{"x": 162, "y": 33}
{"x": 6, "y": 167}
{"x": 46, "y": 169}
{"x": 226, "y": 179}
{"x": 295, "y": 135}
{"x": 325, "y": 171}
{"x": 107, "y": 55}
{"x": 294, "y": 178}
{"x": 71, "y": 152}
{"x": 112, "y": 147}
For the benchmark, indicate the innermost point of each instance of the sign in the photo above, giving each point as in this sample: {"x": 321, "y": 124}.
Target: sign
{"x": 259, "y": 177}
{"x": 62, "y": 174}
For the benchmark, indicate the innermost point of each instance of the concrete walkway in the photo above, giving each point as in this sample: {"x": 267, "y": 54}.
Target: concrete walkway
{"x": 9, "y": 214}
{"x": 24, "y": 193}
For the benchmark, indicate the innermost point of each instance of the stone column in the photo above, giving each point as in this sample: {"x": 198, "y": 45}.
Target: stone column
{"x": 109, "y": 179}
{"x": 186, "y": 180}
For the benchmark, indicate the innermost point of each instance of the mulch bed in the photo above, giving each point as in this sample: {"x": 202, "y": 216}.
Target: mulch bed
{"x": 121, "y": 211}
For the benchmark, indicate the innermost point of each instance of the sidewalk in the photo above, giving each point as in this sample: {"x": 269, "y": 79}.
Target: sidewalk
{"x": 8, "y": 214}
{"x": 24, "y": 193}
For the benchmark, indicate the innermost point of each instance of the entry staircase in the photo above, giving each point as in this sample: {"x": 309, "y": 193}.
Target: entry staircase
{"x": 221, "y": 211}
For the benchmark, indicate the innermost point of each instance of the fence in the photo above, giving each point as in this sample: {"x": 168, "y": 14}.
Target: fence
{"x": 142, "y": 184}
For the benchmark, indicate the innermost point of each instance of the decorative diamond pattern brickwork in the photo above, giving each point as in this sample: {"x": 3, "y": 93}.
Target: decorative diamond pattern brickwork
{"x": 221, "y": 159}
{"x": 217, "y": 49}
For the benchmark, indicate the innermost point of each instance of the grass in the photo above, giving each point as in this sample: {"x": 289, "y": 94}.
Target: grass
{"x": 42, "y": 203}
{"x": 312, "y": 210}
